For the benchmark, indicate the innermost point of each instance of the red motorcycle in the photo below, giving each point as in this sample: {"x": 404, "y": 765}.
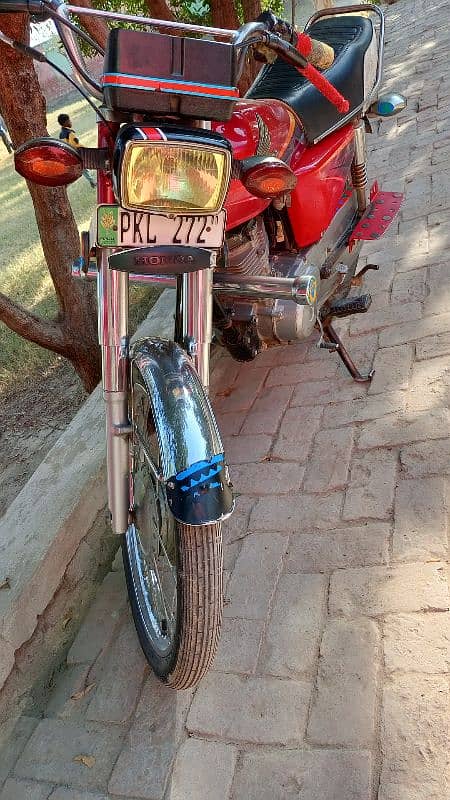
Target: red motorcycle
{"x": 255, "y": 210}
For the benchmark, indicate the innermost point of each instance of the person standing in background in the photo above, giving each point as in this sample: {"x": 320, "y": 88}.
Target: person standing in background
{"x": 68, "y": 135}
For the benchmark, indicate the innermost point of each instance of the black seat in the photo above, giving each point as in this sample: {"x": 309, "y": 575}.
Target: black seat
{"x": 350, "y": 38}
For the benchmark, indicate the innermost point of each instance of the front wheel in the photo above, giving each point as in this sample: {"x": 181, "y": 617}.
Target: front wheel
{"x": 173, "y": 570}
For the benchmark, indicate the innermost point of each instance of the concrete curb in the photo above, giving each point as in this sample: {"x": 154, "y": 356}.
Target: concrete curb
{"x": 45, "y": 526}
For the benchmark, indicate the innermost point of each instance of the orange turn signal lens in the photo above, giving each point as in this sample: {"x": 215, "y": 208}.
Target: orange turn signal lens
{"x": 267, "y": 177}
{"x": 48, "y": 162}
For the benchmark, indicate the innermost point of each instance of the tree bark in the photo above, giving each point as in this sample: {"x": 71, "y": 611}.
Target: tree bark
{"x": 42, "y": 332}
{"x": 95, "y": 26}
{"x": 160, "y": 10}
{"x": 224, "y": 14}
{"x": 252, "y": 9}
{"x": 74, "y": 333}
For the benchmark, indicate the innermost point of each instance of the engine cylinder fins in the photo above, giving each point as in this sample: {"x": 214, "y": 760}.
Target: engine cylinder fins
{"x": 248, "y": 250}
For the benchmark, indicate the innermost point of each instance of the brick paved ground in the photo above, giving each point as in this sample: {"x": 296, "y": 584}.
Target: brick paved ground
{"x": 331, "y": 681}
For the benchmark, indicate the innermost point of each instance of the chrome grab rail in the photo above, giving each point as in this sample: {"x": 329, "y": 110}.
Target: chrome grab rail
{"x": 154, "y": 23}
{"x": 366, "y": 8}
{"x": 73, "y": 51}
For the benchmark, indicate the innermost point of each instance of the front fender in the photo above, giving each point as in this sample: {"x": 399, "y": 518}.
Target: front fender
{"x": 192, "y": 464}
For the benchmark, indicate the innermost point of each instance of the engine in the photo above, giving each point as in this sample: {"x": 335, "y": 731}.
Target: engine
{"x": 248, "y": 324}
{"x": 248, "y": 249}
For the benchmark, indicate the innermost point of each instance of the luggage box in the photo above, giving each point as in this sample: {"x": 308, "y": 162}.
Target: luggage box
{"x": 160, "y": 74}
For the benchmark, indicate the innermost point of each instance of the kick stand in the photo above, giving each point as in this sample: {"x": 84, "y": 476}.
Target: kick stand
{"x": 336, "y": 345}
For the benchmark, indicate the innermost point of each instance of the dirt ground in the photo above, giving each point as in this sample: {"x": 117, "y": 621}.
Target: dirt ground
{"x": 31, "y": 420}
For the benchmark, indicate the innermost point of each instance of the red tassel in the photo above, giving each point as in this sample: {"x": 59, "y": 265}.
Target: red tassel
{"x": 326, "y": 88}
{"x": 304, "y": 45}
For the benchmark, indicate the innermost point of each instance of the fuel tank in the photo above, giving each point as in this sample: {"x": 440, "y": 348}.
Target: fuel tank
{"x": 257, "y": 127}
{"x": 269, "y": 127}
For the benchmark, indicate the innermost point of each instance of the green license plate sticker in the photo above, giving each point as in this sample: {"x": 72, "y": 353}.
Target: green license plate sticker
{"x": 107, "y": 226}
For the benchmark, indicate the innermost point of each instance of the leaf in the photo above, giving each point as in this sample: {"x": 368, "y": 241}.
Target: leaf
{"x": 5, "y": 584}
{"x": 66, "y": 621}
{"x": 83, "y": 692}
{"x": 88, "y": 761}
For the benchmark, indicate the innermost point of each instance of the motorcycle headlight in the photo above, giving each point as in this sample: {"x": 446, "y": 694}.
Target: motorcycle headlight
{"x": 174, "y": 178}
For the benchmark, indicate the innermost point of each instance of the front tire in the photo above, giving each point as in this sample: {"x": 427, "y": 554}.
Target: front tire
{"x": 173, "y": 570}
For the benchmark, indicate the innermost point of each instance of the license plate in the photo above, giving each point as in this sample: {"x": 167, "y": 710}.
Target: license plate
{"x": 117, "y": 227}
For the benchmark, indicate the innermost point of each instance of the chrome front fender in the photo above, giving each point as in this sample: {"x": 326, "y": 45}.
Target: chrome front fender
{"x": 192, "y": 464}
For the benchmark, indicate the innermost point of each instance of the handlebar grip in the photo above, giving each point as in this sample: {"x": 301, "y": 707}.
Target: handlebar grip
{"x": 295, "y": 58}
{"x": 318, "y": 53}
{"x": 325, "y": 87}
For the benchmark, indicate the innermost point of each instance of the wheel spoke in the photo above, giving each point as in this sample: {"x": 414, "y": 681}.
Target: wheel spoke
{"x": 154, "y": 533}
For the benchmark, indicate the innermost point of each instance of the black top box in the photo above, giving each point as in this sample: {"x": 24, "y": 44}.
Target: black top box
{"x": 160, "y": 74}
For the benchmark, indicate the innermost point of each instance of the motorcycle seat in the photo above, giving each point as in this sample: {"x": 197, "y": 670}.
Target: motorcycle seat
{"x": 352, "y": 73}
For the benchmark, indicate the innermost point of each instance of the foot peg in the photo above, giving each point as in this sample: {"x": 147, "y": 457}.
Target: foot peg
{"x": 349, "y": 306}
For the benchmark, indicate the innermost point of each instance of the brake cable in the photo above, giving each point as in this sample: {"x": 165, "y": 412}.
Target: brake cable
{"x": 36, "y": 55}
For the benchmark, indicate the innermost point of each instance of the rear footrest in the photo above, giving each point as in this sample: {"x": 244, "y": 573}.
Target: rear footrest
{"x": 349, "y": 306}
{"x": 378, "y": 216}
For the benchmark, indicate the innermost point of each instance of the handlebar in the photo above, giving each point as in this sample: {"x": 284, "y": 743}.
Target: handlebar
{"x": 280, "y": 37}
{"x": 34, "y": 7}
{"x": 273, "y": 33}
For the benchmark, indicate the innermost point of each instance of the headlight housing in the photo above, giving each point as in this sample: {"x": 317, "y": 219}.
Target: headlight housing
{"x": 173, "y": 177}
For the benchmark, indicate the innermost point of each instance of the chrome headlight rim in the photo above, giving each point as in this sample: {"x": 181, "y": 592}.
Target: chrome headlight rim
{"x": 132, "y": 144}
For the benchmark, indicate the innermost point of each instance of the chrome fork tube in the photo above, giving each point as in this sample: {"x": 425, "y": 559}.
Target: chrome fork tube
{"x": 197, "y": 309}
{"x": 113, "y": 337}
{"x": 359, "y": 169}
{"x": 197, "y": 312}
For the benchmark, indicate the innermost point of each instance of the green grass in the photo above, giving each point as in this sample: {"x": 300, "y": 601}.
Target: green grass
{"x": 23, "y": 272}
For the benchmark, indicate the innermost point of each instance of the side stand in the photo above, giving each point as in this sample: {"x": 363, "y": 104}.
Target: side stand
{"x": 338, "y": 347}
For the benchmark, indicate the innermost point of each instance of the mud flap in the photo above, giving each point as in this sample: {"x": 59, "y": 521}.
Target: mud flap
{"x": 193, "y": 466}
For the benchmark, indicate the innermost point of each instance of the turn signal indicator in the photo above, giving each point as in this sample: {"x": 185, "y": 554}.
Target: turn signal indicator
{"x": 48, "y": 162}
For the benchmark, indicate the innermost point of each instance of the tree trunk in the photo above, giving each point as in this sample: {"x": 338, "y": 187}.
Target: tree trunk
{"x": 74, "y": 333}
{"x": 95, "y": 26}
{"x": 160, "y": 10}
{"x": 224, "y": 14}
{"x": 252, "y": 9}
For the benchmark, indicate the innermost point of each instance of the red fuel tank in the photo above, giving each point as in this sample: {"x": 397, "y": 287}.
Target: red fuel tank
{"x": 322, "y": 171}
{"x": 257, "y": 127}
{"x": 263, "y": 127}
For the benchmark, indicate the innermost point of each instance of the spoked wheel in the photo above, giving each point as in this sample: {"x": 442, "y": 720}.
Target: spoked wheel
{"x": 173, "y": 571}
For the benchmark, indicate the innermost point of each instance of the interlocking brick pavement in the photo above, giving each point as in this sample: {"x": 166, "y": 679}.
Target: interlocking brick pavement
{"x": 331, "y": 680}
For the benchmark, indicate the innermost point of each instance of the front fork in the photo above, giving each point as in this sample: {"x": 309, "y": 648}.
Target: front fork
{"x": 196, "y": 327}
{"x": 196, "y": 319}
{"x": 112, "y": 288}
